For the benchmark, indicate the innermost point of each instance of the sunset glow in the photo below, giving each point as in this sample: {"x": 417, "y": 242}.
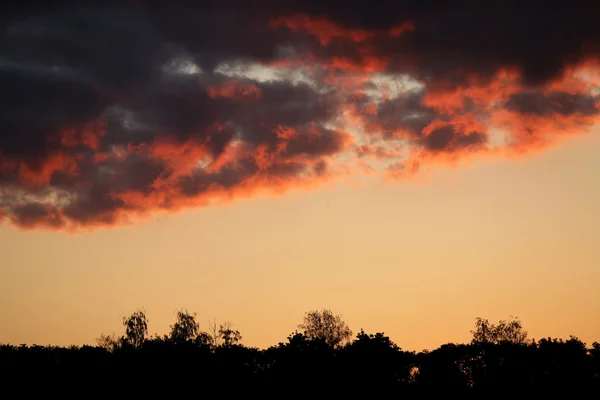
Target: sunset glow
{"x": 257, "y": 160}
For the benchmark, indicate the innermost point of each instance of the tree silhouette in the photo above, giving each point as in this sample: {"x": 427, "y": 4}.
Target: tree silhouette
{"x": 136, "y": 328}
{"x": 374, "y": 358}
{"x": 500, "y": 360}
{"x": 324, "y": 325}
{"x": 213, "y": 332}
{"x": 185, "y": 328}
{"x": 109, "y": 342}
{"x": 505, "y": 331}
{"x": 229, "y": 336}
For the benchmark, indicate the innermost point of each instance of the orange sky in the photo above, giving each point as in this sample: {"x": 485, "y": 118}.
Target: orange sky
{"x": 417, "y": 260}
{"x": 253, "y": 163}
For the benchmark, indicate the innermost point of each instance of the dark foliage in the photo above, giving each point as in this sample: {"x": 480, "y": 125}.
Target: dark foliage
{"x": 193, "y": 363}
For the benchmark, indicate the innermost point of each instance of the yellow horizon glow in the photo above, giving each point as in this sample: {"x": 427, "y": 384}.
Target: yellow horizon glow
{"x": 417, "y": 261}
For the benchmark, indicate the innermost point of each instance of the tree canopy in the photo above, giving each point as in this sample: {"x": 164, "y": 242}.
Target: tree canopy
{"x": 322, "y": 360}
{"x": 326, "y": 326}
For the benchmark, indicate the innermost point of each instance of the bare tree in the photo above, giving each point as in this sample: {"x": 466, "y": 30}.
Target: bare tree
{"x": 324, "y": 325}
{"x": 213, "y": 332}
{"x": 136, "y": 328}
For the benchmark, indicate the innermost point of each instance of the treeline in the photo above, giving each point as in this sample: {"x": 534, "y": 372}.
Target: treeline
{"x": 321, "y": 359}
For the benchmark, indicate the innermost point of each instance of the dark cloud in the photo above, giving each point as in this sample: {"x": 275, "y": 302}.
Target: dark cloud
{"x": 452, "y": 138}
{"x": 547, "y": 104}
{"x": 36, "y": 104}
{"x": 96, "y": 205}
{"x": 226, "y": 178}
{"x": 31, "y": 214}
{"x": 214, "y": 33}
{"x": 115, "y": 109}
{"x": 452, "y": 40}
{"x": 406, "y": 113}
{"x": 61, "y": 68}
{"x": 326, "y": 142}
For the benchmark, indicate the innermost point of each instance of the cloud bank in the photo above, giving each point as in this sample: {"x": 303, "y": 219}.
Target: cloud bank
{"x": 109, "y": 114}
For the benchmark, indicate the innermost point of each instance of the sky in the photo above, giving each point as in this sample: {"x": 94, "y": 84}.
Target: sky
{"x": 411, "y": 167}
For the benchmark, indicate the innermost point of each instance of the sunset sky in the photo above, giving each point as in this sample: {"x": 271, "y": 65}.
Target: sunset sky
{"x": 411, "y": 167}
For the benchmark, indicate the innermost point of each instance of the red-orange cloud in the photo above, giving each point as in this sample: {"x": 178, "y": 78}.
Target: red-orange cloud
{"x": 326, "y": 30}
{"x": 234, "y": 89}
{"x": 192, "y": 108}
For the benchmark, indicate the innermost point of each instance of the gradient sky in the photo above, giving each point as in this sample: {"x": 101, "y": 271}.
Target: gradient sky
{"x": 418, "y": 261}
{"x": 384, "y": 164}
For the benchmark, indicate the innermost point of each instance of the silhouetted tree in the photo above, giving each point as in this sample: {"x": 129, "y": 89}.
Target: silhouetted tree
{"x": 326, "y": 326}
{"x": 375, "y": 360}
{"x": 109, "y": 342}
{"x": 564, "y": 363}
{"x": 228, "y": 335}
{"x": 213, "y": 332}
{"x": 301, "y": 362}
{"x": 595, "y": 354}
{"x": 136, "y": 328}
{"x": 506, "y": 331}
{"x": 500, "y": 357}
{"x": 204, "y": 339}
{"x": 442, "y": 369}
{"x": 185, "y": 328}
{"x": 499, "y": 361}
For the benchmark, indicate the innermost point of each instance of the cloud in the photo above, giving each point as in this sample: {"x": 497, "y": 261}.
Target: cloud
{"x": 111, "y": 114}
{"x": 548, "y": 104}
